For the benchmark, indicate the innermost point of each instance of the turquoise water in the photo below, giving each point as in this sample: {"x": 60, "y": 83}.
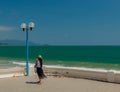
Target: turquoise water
{"x": 74, "y": 56}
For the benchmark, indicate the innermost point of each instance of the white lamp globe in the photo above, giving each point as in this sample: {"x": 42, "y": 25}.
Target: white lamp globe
{"x": 23, "y": 26}
{"x": 31, "y": 25}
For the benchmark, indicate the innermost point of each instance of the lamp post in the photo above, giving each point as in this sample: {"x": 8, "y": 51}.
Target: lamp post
{"x": 27, "y": 28}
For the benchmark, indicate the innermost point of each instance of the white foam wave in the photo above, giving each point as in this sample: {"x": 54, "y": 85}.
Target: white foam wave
{"x": 22, "y": 64}
{"x": 63, "y": 67}
{"x": 19, "y": 63}
{"x": 76, "y": 68}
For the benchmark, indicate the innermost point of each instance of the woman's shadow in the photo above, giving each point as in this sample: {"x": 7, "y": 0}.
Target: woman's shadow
{"x": 32, "y": 82}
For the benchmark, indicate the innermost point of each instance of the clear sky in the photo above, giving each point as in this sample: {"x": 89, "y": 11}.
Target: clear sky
{"x": 62, "y": 22}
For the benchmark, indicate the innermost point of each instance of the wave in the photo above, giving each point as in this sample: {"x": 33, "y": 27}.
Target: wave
{"x": 64, "y": 67}
{"x": 22, "y": 64}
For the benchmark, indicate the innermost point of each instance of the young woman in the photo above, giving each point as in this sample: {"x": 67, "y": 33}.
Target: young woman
{"x": 38, "y": 67}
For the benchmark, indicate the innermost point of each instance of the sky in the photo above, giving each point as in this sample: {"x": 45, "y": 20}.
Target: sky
{"x": 62, "y": 22}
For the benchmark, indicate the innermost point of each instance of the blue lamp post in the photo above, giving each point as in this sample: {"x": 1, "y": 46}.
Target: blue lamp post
{"x": 25, "y": 28}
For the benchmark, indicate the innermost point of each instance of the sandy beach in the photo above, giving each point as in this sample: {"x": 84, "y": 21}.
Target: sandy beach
{"x": 55, "y": 84}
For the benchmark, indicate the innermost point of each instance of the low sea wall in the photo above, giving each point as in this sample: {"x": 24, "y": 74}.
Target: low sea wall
{"x": 87, "y": 73}
{"x": 11, "y": 72}
{"x": 94, "y": 74}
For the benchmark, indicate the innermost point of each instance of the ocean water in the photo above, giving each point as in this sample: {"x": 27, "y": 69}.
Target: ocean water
{"x": 105, "y": 57}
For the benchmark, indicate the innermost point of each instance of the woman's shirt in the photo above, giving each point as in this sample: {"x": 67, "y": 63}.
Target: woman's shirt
{"x": 38, "y": 64}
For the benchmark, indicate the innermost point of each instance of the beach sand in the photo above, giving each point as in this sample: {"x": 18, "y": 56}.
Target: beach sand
{"x": 55, "y": 84}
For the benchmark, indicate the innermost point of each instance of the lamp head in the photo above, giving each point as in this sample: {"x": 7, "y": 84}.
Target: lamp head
{"x": 31, "y": 25}
{"x": 23, "y": 26}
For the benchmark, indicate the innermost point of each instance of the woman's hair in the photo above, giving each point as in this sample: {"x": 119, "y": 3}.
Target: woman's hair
{"x": 40, "y": 60}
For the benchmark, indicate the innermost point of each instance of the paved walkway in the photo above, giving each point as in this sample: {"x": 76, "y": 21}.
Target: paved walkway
{"x": 55, "y": 84}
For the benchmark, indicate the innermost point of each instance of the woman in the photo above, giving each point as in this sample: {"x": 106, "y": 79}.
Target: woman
{"x": 38, "y": 67}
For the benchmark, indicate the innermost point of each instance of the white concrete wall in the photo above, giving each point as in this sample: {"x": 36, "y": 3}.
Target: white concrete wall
{"x": 105, "y": 75}
{"x": 11, "y": 72}
{"x": 102, "y": 75}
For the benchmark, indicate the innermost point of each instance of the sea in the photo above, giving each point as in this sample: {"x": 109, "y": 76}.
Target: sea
{"x": 98, "y": 57}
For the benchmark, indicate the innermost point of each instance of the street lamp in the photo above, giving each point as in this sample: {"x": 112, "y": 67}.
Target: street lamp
{"x": 27, "y": 28}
